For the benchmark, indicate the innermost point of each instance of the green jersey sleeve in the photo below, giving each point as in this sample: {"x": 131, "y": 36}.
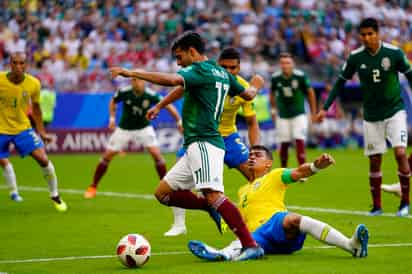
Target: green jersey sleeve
{"x": 119, "y": 96}
{"x": 306, "y": 84}
{"x": 191, "y": 78}
{"x": 235, "y": 87}
{"x": 348, "y": 68}
{"x": 273, "y": 83}
{"x": 403, "y": 63}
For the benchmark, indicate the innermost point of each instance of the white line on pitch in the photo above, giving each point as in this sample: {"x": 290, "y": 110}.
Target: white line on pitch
{"x": 73, "y": 258}
{"x": 151, "y": 197}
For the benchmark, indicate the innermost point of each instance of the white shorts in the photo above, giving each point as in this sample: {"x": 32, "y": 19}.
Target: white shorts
{"x": 393, "y": 129}
{"x": 290, "y": 129}
{"x": 120, "y": 138}
{"x": 201, "y": 167}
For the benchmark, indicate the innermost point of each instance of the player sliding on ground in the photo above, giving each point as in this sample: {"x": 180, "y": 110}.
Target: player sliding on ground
{"x": 133, "y": 126}
{"x": 278, "y": 231}
{"x": 19, "y": 90}
{"x": 206, "y": 86}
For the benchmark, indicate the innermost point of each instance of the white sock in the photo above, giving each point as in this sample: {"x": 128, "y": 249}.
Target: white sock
{"x": 50, "y": 175}
{"x": 179, "y": 216}
{"x": 325, "y": 233}
{"x": 10, "y": 177}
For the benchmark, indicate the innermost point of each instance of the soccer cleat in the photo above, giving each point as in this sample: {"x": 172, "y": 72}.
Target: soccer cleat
{"x": 176, "y": 230}
{"x": 360, "y": 241}
{"x": 16, "y": 197}
{"x": 216, "y": 218}
{"x": 250, "y": 253}
{"x": 61, "y": 207}
{"x": 90, "y": 192}
{"x": 206, "y": 252}
{"x": 375, "y": 211}
{"x": 393, "y": 188}
{"x": 303, "y": 180}
{"x": 403, "y": 210}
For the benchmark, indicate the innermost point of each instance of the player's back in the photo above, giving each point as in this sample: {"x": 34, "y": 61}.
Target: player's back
{"x": 15, "y": 100}
{"x": 206, "y": 87}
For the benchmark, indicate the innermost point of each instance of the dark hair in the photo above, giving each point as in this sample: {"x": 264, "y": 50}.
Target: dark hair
{"x": 369, "y": 23}
{"x": 285, "y": 54}
{"x": 229, "y": 53}
{"x": 263, "y": 148}
{"x": 189, "y": 39}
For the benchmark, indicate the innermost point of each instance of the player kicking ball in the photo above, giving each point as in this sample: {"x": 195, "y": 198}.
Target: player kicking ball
{"x": 275, "y": 229}
{"x": 133, "y": 126}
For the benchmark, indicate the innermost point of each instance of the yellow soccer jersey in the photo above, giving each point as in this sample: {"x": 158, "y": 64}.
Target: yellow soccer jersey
{"x": 15, "y": 101}
{"x": 227, "y": 123}
{"x": 258, "y": 201}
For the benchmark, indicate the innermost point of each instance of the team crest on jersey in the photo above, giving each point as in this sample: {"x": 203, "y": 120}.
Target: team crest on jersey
{"x": 256, "y": 185}
{"x": 295, "y": 84}
{"x": 128, "y": 102}
{"x": 386, "y": 63}
{"x": 145, "y": 103}
{"x": 279, "y": 85}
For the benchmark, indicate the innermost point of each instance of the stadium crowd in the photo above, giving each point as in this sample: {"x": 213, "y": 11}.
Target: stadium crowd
{"x": 71, "y": 43}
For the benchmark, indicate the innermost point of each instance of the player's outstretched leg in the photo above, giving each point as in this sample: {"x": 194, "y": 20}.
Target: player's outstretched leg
{"x": 393, "y": 188}
{"x": 321, "y": 231}
{"x": 179, "y": 226}
{"x": 10, "y": 178}
{"x": 205, "y": 252}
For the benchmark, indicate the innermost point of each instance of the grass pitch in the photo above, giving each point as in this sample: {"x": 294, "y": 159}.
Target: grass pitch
{"x": 36, "y": 239}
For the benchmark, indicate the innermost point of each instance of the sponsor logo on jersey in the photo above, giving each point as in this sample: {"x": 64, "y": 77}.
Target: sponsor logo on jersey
{"x": 279, "y": 85}
{"x": 295, "y": 84}
{"x": 256, "y": 185}
{"x": 363, "y": 66}
{"x": 386, "y": 63}
{"x": 128, "y": 102}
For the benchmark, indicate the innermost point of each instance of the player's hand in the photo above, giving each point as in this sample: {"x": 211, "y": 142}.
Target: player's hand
{"x": 324, "y": 161}
{"x": 46, "y": 138}
{"x": 116, "y": 71}
{"x": 257, "y": 81}
{"x": 320, "y": 116}
{"x": 112, "y": 123}
{"x": 314, "y": 118}
{"x": 179, "y": 126}
{"x": 152, "y": 112}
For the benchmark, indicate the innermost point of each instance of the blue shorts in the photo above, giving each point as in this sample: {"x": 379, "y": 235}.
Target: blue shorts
{"x": 236, "y": 151}
{"x": 25, "y": 143}
{"x": 271, "y": 236}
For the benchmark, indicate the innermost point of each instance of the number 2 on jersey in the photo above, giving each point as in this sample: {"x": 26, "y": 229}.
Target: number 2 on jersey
{"x": 376, "y": 74}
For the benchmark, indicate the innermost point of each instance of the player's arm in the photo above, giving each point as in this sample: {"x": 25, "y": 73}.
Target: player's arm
{"x": 112, "y": 113}
{"x": 312, "y": 103}
{"x": 405, "y": 67}
{"x": 38, "y": 121}
{"x": 347, "y": 71}
{"x": 171, "y": 97}
{"x": 255, "y": 85}
{"x": 307, "y": 169}
{"x": 175, "y": 114}
{"x": 253, "y": 129}
{"x": 159, "y": 78}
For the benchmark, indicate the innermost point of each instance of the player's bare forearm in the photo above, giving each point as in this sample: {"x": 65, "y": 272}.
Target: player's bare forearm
{"x": 337, "y": 87}
{"x": 38, "y": 118}
{"x": 255, "y": 85}
{"x": 174, "y": 95}
{"x": 253, "y": 130}
{"x": 309, "y": 169}
{"x": 312, "y": 101}
{"x": 159, "y": 78}
{"x": 273, "y": 111}
{"x": 112, "y": 108}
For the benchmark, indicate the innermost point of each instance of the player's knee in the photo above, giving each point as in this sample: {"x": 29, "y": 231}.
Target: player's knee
{"x": 400, "y": 154}
{"x": 213, "y": 198}
{"x": 292, "y": 221}
{"x": 162, "y": 193}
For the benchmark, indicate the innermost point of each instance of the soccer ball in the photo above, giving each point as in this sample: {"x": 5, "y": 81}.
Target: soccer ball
{"x": 133, "y": 250}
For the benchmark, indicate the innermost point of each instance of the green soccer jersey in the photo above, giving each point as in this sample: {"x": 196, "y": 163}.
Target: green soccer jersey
{"x": 135, "y": 107}
{"x": 290, "y": 93}
{"x": 379, "y": 81}
{"x": 206, "y": 87}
